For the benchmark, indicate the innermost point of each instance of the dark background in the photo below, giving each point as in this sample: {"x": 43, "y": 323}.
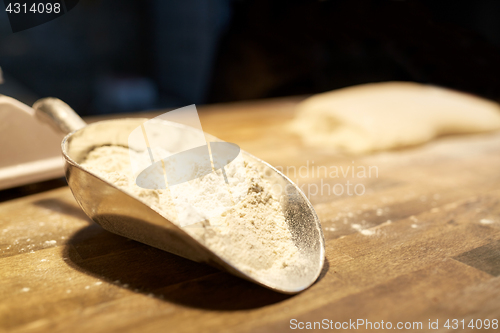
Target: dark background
{"x": 125, "y": 55}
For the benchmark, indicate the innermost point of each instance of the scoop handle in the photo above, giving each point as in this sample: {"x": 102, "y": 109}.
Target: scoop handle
{"x": 58, "y": 114}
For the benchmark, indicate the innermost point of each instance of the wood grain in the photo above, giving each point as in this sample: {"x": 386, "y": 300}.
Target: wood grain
{"x": 422, "y": 242}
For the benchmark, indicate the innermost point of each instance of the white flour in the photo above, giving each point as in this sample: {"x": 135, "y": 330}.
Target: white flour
{"x": 242, "y": 222}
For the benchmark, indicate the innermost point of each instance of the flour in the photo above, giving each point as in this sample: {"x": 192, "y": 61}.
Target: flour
{"x": 241, "y": 221}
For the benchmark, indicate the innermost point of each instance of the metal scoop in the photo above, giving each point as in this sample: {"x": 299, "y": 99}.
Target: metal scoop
{"x": 126, "y": 215}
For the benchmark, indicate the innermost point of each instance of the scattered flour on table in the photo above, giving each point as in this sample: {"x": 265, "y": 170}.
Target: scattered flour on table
{"x": 242, "y": 222}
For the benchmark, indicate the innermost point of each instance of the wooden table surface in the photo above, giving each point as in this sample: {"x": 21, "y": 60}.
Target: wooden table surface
{"x": 420, "y": 242}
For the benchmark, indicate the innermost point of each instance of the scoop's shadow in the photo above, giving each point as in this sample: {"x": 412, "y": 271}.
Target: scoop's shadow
{"x": 156, "y": 273}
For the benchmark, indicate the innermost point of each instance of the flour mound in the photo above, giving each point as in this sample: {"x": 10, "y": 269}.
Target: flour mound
{"x": 242, "y": 222}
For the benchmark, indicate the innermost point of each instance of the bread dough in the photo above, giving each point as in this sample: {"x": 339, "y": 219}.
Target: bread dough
{"x": 380, "y": 116}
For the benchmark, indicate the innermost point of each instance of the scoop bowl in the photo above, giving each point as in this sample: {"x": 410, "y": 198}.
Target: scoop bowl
{"x": 124, "y": 214}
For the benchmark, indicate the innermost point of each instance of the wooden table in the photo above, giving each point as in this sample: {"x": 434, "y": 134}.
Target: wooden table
{"x": 422, "y": 242}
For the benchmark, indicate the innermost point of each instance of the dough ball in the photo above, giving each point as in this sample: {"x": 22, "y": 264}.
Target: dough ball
{"x": 388, "y": 115}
